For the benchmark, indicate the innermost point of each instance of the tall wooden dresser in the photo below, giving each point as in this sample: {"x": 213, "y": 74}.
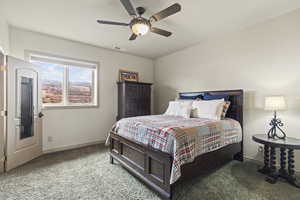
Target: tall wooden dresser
{"x": 134, "y": 99}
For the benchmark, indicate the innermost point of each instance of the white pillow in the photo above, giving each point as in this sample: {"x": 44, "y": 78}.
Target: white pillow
{"x": 211, "y": 109}
{"x": 188, "y": 102}
{"x": 177, "y": 108}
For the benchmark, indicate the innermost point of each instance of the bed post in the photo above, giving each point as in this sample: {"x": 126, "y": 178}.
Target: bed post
{"x": 171, "y": 191}
{"x": 240, "y": 102}
{"x": 111, "y": 159}
{"x": 239, "y": 156}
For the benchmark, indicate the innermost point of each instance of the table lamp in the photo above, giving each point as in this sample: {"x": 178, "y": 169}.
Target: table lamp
{"x": 275, "y": 103}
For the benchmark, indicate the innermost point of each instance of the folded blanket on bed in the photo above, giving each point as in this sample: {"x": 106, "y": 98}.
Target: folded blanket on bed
{"x": 184, "y": 139}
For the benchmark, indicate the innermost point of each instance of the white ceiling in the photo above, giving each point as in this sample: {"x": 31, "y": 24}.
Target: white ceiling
{"x": 199, "y": 19}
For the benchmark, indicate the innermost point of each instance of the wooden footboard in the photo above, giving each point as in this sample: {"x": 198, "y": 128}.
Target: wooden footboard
{"x": 154, "y": 167}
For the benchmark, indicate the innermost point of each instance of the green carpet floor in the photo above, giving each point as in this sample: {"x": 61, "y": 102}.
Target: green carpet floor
{"x": 86, "y": 174}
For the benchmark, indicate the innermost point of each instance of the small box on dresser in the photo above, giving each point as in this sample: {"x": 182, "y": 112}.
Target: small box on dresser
{"x": 134, "y": 99}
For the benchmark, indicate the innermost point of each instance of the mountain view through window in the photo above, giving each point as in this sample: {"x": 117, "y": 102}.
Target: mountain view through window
{"x": 80, "y": 85}
{"x": 64, "y": 84}
{"x": 52, "y": 76}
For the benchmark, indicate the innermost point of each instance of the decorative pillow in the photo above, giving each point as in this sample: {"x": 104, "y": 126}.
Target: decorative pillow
{"x": 225, "y": 109}
{"x": 216, "y": 96}
{"x": 191, "y": 95}
{"x": 208, "y": 109}
{"x": 177, "y": 108}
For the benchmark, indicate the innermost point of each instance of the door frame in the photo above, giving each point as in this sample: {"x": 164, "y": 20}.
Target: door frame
{"x": 3, "y": 110}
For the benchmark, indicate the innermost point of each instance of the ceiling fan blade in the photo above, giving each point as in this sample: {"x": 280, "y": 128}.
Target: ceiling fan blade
{"x": 112, "y": 23}
{"x": 133, "y": 37}
{"x": 166, "y": 12}
{"x": 161, "y": 32}
{"x": 129, "y": 7}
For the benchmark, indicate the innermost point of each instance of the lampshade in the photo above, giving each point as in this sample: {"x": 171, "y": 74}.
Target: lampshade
{"x": 275, "y": 103}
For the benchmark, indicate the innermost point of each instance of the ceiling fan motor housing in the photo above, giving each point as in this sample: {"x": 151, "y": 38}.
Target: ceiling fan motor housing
{"x": 140, "y": 10}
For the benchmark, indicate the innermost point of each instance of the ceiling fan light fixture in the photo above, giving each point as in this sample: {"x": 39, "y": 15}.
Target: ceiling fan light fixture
{"x": 140, "y": 29}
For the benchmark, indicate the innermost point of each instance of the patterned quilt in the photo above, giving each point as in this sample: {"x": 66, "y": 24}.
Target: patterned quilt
{"x": 184, "y": 139}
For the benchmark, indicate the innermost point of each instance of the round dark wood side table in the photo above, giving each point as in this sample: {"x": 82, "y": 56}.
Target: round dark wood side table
{"x": 270, "y": 145}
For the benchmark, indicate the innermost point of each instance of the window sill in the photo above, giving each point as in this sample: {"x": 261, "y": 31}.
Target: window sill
{"x": 56, "y": 107}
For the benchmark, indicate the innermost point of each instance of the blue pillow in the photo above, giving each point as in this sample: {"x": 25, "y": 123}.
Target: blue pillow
{"x": 216, "y": 96}
{"x": 191, "y": 96}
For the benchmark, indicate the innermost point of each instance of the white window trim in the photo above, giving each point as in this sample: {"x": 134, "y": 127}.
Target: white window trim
{"x": 68, "y": 62}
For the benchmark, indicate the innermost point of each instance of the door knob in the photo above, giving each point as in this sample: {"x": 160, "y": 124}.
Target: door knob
{"x": 41, "y": 115}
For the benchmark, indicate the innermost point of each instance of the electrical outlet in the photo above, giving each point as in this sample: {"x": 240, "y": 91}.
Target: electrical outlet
{"x": 50, "y": 138}
{"x": 260, "y": 149}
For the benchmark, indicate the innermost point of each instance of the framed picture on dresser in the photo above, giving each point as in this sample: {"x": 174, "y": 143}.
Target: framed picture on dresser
{"x": 125, "y": 75}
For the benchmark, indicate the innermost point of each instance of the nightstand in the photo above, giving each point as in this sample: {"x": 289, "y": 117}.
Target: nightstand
{"x": 270, "y": 145}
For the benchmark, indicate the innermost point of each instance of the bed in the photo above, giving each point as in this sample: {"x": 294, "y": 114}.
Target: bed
{"x": 177, "y": 152}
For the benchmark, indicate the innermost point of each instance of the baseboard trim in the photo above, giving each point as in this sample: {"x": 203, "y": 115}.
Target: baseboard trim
{"x": 297, "y": 172}
{"x": 75, "y": 146}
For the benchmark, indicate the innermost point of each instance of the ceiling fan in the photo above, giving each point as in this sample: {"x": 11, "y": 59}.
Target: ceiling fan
{"x": 140, "y": 25}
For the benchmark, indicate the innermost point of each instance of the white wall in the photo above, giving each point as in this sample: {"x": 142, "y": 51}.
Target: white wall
{"x": 79, "y": 126}
{"x": 262, "y": 60}
{"x": 4, "y": 36}
{"x": 4, "y": 40}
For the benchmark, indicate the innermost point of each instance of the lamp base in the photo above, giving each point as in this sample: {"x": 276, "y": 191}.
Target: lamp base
{"x": 275, "y": 125}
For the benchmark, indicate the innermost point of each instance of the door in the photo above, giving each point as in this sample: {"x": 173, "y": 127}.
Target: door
{"x": 24, "y": 119}
{"x": 2, "y": 110}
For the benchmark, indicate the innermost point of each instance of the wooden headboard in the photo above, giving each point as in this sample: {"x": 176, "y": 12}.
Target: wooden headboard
{"x": 235, "y": 110}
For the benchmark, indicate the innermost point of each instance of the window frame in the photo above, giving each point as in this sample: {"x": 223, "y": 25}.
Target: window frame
{"x": 67, "y": 63}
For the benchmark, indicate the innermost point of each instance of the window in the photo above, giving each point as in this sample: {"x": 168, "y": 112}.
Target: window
{"x": 66, "y": 82}
{"x": 52, "y": 77}
{"x": 80, "y": 85}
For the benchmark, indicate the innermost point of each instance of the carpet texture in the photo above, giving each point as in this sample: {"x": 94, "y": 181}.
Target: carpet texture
{"x": 87, "y": 174}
